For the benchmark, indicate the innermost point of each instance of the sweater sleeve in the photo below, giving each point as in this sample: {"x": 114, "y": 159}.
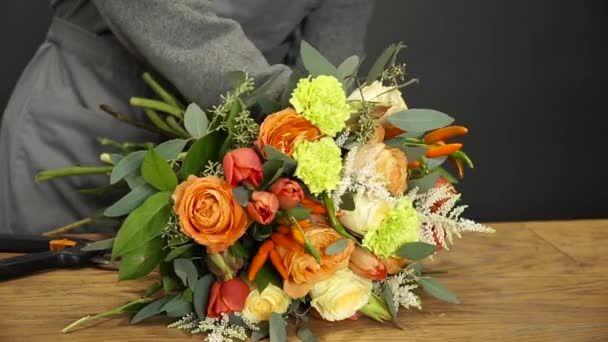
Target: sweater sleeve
{"x": 189, "y": 45}
{"x": 337, "y": 28}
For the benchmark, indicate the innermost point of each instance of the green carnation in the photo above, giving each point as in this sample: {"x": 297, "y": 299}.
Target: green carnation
{"x": 319, "y": 164}
{"x": 322, "y": 101}
{"x": 400, "y": 226}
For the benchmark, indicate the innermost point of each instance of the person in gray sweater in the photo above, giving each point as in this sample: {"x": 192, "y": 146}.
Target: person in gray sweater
{"x": 95, "y": 53}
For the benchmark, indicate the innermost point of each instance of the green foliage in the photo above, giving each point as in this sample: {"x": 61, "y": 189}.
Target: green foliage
{"x": 140, "y": 261}
{"x": 435, "y": 289}
{"x": 271, "y": 170}
{"x": 416, "y": 250}
{"x": 178, "y": 251}
{"x": 130, "y": 201}
{"x": 261, "y": 232}
{"x": 177, "y": 307}
{"x": 203, "y": 150}
{"x": 425, "y": 183}
{"x": 316, "y": 63}
{"x": 195, "y": 121}
{"x": 273, "y": 153}
{"x": 388, "y": 299}
{"x": 202, "y": 288}
{"x": 432, "y": 163}
{"x": 420, "y": 120}
{"x": 336, "y": 247}
{"x": 348, "y": 67}
{"x": 152, "y": 309}
{"x": 445, "y": 174}
{"x": 157, "y": 172}
{"x": 305, "y": 334}
{"x": 267, "y": 275}
{"x": 99, "y": 245}
{"x": 186, "y": 271}
{"x": 242, "y": 195}
{"x": 143, "y": 224}
{"x": 348, "y": 201}
{"x": 381, "y": 62}
{"x": 299, "y": 213}
{"x": 278, "y": 328}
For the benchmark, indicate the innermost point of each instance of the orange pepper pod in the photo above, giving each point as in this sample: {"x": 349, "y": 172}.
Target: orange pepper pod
{"x": 283, "y": 229}
{"x": 443, "y": 150}
{"x": 275, "y": 258}
{"x": 259, "y": 259}
{"x": 413, "y": 165}
{"x": 297, "y": 235}
{"x": 285, "y": 241}
{"x": 459, "y": 166}
{"x": 317, "y": 209}
{"x": 445, "y": 133}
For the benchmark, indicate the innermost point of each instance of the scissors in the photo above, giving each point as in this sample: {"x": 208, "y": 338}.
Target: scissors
{"x": 45, "y": 253}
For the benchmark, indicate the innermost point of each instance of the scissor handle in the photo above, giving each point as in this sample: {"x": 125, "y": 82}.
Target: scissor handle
{"x": 19, "y": 243}
{"x": 29, "y": 263}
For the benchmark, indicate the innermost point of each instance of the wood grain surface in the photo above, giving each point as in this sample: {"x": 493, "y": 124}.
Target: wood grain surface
{"x": 533, "y": 281}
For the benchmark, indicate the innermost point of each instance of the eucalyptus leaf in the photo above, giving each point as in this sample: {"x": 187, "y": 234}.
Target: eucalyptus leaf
{"x": 203, "y": 150}
{"x": 420, "y": 120}
{"x": 130, "y": 201}
{"x": 425, "y": 183}
{"x": 348, "y": 201}
{"x": 237, "y": 78}
{"x": 134, "y": 180}
{"x": 202, "y": 288}
{"x": 273, "y": 153}
{"x": 435, "y": 289}
{"x": 267, "y": 275}
{"x": 177, "y": 251}
{"x": 187, "y": 295}
{"x": 445, "y": 174}
{"x": 414, "y": 152}
{"x": 170, "y": 284}
{"x": 143, "y": 224}
{"x": 157, "y": 172}
{"x": 267, "y": 105}
{"x": 416, "y": 250}
{"x": 348, "y": 67}
{"x": 278, "y": 328}
{"x": 238, "y": 250}
{"x": 152, "y": 289}
{"x": 416, "y": 266}
{"x": 170, "y": 149}
{"x": 271, "y": 170}
{"x": 177, "y": 307}
{"x": 299, "y": 213}
{"x": 195, "y": 121}
{"x": 262, "y": 333}
{"x": 242, "y": 195}
{"x": 99, "y": 245}
{"x": 140, "y": 261}
{"x": 336, "y": 247}
{"x": 433, "y": 163}
{"x": 389, "y": 299}
{"x": 305, "y": 334}
{"x": 378, "y": 67}
{"x": 315, "y": 63}
{"x": 261, "y": 232}
{"x": 261, "y": 91}
{"x": 152, "y": 309}
{"x": 292, "y": 83}
{"x": 186, "y": 271}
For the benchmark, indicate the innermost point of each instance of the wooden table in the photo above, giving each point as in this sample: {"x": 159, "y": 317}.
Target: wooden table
{"x": 529, "y": 281}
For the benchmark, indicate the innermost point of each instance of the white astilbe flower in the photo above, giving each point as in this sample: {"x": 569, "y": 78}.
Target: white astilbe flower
{"x": 365, "y": 181}
{"x": 188, "y": 322}
{"x": 217, "y": 330}
{"x": 440, "y": 222}
{"x": 402, "y": 286}
{"x": 343, "y": 137}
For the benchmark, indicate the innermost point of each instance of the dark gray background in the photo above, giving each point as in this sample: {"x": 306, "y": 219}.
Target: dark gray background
{"x": 527, "y": 77}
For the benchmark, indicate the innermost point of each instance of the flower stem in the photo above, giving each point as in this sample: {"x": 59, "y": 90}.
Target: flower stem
{"x": 69, "y": 227}
{"x": 127, "y": 119}
{"x": 129, "y": 307}
{"x": 333, "y": 220}
{"x": 72, "y": 171}
{"x": 156, "y": 105}
{"x": 161, "y": 91}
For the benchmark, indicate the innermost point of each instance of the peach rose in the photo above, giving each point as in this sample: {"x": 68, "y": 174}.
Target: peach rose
{"x": 390, "y": 162}
{"x": 263, "y": 206}
{"x": 283, "y": 129}
{"x": 209, "y": 213}
{"x": 304, "y": 271}
{"x": 242, "y": 164}
{"x": 288, "y": 191}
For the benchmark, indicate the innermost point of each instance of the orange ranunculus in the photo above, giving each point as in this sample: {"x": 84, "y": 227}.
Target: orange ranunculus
{"x": 263, "y": 206}
{"x": 209, "y": 213}
{"x": 390, "y": 162}
{"x": 288, "y": 191}
{"x": 367, "y": 265}
{"x": 283, "y": 129}
{"x": 227, "y": 297}
{"x": 303, "y": 269}
{"x": 242, "y": 164}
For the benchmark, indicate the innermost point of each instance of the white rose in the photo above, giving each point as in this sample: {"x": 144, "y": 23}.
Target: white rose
{"x": 258, "y": 307}
{"x": 367, "y": 215}
{"x": 382, "y": 95}
{"x": 340, "y": 296}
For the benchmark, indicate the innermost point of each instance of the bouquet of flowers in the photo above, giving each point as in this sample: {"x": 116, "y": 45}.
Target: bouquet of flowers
{"x": 325, "y": 207}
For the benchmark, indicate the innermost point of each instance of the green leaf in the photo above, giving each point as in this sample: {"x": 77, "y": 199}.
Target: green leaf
{"x": 378, "y": 67}
{"x": 187, "y": 295}
{"x": 99, "y": 245}
{"x": 203, "y": 150}
{"x": 336, "y": 247}
{"x": 261, "y": 232}
{"x": 262, "y": 333}
{"x": 305, "y": 334}
{"x": 169, "y": 149}
{"x": 414, "y": 152}
{"x": 134, "y": 180}
{"x": 388, "y": 298}
{"x": 177, "y": 251}
{"x": 348, "y": 67}
{"x": 140, "y": 261}
{"x": 169, "y": 284}
{"x": 278, "y": 328}
{"x": 127, "y": 165}
{"x": 435, "y": 289}
{"x": 272, "y": 170}
{"x": 143, "y": 224}
{"x": 152, "y": 289}
{"x": 186, "y": 271}
{"x": 177, "y": 307}
{"x": 132, "y": 307}
{"x": 260, "y": 91}
{"x": 158, "y": 172}
{"x": 273, "y": 153}
{"x": 238, "y": 250}
{"x": 266, "y": 275}
{"x": 416, "y": 266}
{"x": 195, "y": 121}
{"x": 202, "y": 288}
{"x": 291, "y": 85}
{"x": 150, "y": 310}
{"x": 315, "y": 63}
{"x": 416, "y": 250}
{"x": 237, "y": 78}
{"x": 433, "y": 163}
{"x": 420, "y": 120}
{"x": 242, "y": 195}
{"x": 348, "y": 201}
{"x": 130, "y": 201}
{"x": 267, "y": 105}
{"x": 425, "y": 183}
{"x": 299, "y": 213}
{"x": 448, "y": 176}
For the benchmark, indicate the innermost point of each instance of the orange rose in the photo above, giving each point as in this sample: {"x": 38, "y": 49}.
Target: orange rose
{"x": 283, "y": 129}
{"x": 209, "y": 213}
{"x": 390, "y": 162}
{"x": 303, "y": 269}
